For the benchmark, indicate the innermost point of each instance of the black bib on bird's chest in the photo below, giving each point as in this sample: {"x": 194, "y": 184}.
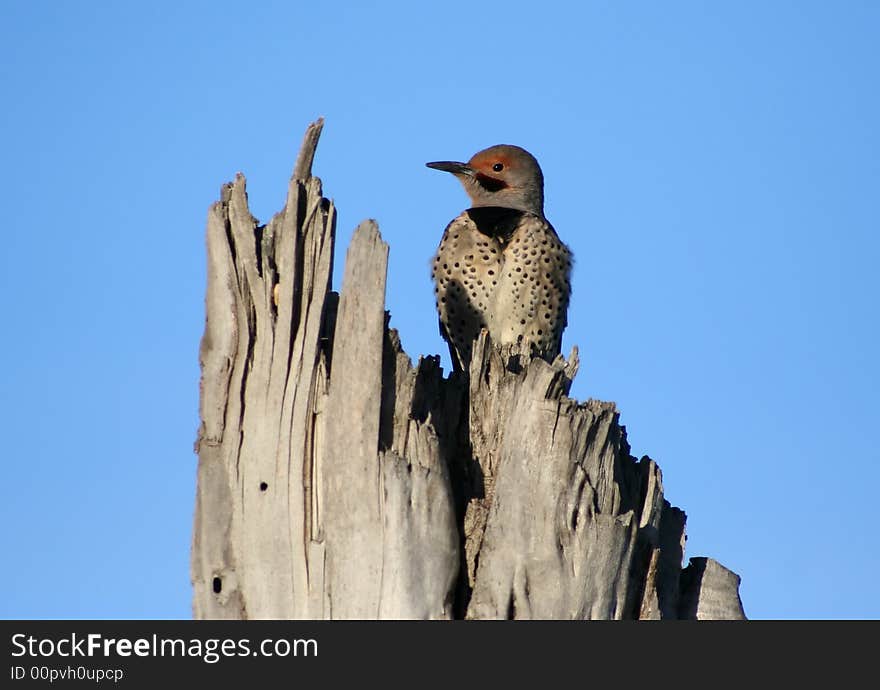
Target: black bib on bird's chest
{"x": 497, "y": 222}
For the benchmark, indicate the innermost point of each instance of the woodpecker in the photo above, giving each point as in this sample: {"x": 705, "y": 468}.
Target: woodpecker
{"x": 500, "y": 264}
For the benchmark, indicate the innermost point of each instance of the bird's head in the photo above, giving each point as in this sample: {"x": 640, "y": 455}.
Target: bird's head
{"x": 503, "y": 175}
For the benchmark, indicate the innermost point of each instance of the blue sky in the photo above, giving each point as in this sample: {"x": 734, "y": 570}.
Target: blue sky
{"x": 715, "y": 167}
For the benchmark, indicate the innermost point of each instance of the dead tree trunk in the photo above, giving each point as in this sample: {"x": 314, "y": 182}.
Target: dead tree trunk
{"x": 337, "y": 480}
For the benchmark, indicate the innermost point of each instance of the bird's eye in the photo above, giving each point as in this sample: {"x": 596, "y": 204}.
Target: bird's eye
{"x": 498, "y": 167}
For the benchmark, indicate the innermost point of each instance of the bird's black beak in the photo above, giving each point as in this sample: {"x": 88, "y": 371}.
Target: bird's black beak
{"x": 452, "y": 167}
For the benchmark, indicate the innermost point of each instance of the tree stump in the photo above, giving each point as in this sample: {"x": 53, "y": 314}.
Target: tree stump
{"x": 338, "y": 480}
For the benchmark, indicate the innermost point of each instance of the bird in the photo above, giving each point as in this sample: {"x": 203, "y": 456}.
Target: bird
{"x": 500, "y": 264}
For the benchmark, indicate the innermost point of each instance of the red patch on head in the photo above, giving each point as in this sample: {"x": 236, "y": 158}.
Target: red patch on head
{"x": 485, "y": 160}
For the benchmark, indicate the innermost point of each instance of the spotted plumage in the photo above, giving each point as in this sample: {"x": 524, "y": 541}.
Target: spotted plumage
{"x": 500, "y": 264}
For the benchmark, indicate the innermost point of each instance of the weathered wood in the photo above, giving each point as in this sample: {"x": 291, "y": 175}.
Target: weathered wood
{"x": 268, "y": 289}
{"x": 353, "y": 528}
{"x": 338, "y": 480}
{"x": 569, "y": 515}
{"x": 709, "y": 591}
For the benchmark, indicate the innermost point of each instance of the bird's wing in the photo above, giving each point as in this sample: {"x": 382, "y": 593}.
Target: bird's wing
{"x": 466, "y": 269}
